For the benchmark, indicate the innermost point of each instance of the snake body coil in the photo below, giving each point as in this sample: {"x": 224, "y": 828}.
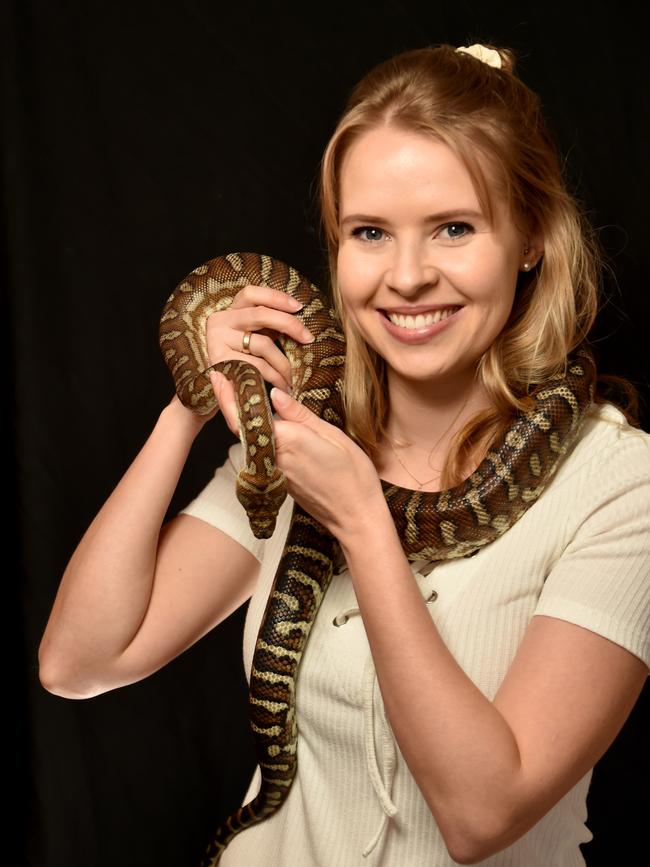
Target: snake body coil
{"x": 431, "y": 526}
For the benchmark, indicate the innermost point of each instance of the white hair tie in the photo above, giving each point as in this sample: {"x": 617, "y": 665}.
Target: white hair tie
{"x": 487, "y": 55}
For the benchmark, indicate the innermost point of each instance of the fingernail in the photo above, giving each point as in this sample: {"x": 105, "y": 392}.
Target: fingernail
{"x": 278, "y": 396}
{"x": 308, "y": 335}
{"x": 294, "y": 304}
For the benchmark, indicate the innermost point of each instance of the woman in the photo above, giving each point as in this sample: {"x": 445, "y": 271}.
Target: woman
{"x": 448, "y": 711}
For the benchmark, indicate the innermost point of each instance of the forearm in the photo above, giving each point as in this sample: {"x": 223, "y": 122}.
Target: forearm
{"x": 460, "y": 750}
{"x": 107, "y": 585}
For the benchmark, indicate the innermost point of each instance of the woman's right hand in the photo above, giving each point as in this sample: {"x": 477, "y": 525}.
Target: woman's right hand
{"x": 266, "y": 313}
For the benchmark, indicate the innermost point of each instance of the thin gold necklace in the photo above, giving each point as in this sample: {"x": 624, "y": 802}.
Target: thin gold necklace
{"x": 422, "y": 484}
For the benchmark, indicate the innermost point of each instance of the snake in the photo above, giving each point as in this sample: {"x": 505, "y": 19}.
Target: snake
{"x": 432, "y": 526}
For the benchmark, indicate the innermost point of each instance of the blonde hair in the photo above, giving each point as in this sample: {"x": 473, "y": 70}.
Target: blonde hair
{"x": 487, "y": 116}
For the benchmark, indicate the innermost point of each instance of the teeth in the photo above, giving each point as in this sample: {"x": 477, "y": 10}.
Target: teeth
{"x": 420, "y": 321}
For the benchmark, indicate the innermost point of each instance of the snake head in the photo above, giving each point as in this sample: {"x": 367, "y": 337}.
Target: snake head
{"x": 262, "y": 502}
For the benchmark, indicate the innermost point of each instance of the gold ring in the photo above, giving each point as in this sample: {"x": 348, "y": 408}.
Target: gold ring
{"x": 246, "y": 342}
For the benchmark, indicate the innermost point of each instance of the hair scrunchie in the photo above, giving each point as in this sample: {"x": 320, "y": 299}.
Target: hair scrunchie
{"x": 487, "y": 55}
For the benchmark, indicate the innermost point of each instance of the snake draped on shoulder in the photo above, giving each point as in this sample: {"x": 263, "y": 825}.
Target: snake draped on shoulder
{"x": 431, "y": 526}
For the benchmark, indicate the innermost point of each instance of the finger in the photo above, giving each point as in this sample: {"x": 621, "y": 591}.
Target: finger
{"x": 226, "y": 344}
{"x": 258, "y": 318}
{"x": 264, "y": 347}
{"x": 252, "y": 295}
{"x": 273, "y": 364}
{"x": 290, "y": 410}
{"x": 229, "y": 333}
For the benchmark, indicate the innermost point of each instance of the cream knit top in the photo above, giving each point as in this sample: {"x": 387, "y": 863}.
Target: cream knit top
{"x": 580, "y": 553}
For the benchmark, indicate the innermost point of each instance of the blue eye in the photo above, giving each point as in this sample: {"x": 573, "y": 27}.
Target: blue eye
{"x": 454, "y": 237}
{"x": 360, "y": 229}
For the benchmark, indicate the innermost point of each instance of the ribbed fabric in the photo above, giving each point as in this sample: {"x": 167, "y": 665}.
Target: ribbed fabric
{"x": 581, "y": 553}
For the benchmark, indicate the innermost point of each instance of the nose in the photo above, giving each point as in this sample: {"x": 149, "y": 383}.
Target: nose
{"x": 411, "y": 268}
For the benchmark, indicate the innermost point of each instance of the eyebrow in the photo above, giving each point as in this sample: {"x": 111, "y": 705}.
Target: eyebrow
{"x": 432, "y": 218}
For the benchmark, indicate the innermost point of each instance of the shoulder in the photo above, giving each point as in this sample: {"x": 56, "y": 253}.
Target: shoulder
{"x": 608, "y": 447}
{"x": 601, "y": 579}
{"x": 605, "y": 422}
{"x": 602, "y": 484}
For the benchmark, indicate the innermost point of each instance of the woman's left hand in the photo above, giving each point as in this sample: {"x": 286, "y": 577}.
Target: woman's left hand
{"x": 327, "y": 473}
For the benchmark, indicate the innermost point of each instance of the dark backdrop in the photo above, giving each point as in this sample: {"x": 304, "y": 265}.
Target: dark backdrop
{"x": 139, "y": 140}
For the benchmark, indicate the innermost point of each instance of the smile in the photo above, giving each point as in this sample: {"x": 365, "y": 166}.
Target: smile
{"x": 421, "y": 320}
{"x": 420, "y": 328}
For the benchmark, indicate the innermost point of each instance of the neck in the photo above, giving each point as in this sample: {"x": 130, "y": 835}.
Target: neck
{"x": 421, "y": 414}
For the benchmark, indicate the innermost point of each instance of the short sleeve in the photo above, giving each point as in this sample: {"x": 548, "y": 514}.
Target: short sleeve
{"x": 217, "y": 504}
{"x": 602, "y": 580}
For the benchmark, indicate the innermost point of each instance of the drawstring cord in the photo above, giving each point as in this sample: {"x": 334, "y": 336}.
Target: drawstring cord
{"x": 342, "y": 618}
{"x": 381, "y": 786}
{"x": 382, "y": 790}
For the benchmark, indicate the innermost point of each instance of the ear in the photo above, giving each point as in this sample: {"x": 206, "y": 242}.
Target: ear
{"x": 533, "y": 250}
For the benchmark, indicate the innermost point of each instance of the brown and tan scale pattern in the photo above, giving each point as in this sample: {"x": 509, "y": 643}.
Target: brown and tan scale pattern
{"x": 432, "y": 526}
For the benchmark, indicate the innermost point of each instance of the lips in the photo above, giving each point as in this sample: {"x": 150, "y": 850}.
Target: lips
{"x": 413, "y": 311}
{"x": 421, "y": 320}
{"x": 418, "y": 335}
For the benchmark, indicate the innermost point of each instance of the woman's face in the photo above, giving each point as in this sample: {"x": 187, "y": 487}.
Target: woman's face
{"x": 396, "y": 257}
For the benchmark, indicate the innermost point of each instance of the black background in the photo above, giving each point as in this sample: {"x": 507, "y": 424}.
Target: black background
{"x": 139, "y": 140}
